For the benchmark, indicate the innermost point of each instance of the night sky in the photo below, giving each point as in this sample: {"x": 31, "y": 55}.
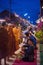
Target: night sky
{"x": 28, "y": 9}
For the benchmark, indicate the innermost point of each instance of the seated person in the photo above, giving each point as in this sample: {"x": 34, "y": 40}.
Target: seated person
{"x": 28, "y": 51}
{"x": 20, "y": 53}
{"x": 21, "y": 45}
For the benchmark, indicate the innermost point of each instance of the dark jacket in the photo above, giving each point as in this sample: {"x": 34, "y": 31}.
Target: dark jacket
{"x": 28, "y": 53}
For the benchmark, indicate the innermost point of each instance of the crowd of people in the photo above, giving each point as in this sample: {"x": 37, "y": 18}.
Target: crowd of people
{"x": 27, "y": 46}
{"x": 9, "y": 40}
{"x": 14, "y": 39}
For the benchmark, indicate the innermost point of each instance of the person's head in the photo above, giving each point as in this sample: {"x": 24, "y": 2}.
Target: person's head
{"x": 27, "y": 34}
{"x": 30, "y": 42}
{"x": 4, "y": 24}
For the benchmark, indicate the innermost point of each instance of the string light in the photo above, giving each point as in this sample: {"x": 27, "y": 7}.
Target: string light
{"x": 25, "y": 14}
{"x": 28, "y": 16}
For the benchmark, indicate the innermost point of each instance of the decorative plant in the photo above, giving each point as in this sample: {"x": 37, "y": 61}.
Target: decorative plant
{"x": 39, "y": 33}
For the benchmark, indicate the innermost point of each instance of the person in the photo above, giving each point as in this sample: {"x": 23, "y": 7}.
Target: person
{"x": 28, "y": 49}
{"x": 34, "y": 39}
{"x": 17, "y": 34}
{"x": 24, "y": 41}
{"x": 4, "y": 39}
{"x": 19, "y": 53}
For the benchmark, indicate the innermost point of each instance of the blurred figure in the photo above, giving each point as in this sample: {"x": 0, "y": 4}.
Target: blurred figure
{"x": 17, "y": 34}
{"x": 31, "y": 35}
{"x": 4, "y": 39}
{"x": 28, "y": 49}
{"x": 34, "y": 39}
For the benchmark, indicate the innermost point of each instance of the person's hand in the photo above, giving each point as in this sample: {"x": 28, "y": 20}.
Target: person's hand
{"x": 22, "y": 52}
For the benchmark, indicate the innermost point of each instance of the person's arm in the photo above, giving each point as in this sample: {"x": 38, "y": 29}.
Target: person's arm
{"x": 34, "y": 35}
{"x": 20, "y": 45}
